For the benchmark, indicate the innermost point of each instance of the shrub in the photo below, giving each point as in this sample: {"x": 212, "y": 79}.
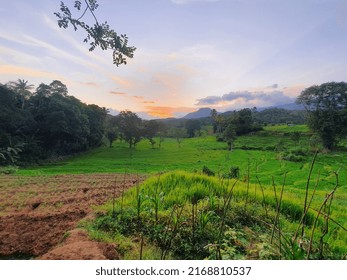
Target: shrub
{"x": 234, "y": 172}
{"x": 207, "y": 171}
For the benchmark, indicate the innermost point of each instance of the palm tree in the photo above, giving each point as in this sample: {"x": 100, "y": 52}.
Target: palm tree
{"x": 22, "y": 88}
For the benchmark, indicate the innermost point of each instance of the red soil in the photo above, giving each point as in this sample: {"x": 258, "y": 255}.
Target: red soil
{"x": 37, "y": 212}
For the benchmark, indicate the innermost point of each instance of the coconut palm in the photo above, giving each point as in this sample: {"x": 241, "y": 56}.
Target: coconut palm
{"x": 22, "y": 88}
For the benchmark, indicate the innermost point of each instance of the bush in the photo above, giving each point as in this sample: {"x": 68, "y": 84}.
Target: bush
{"x": 234, "y": 172}
{"x": 207, "y": 171}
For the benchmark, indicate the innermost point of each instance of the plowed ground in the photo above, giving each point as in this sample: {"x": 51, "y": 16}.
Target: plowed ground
{"x": 37, "y": 212}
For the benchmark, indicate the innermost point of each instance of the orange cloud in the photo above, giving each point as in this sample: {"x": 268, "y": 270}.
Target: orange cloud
{"x": 148, "y": 102}
{"x": 121, "y": 81}
{"x": 24, "y": 71}
{"x": 91, "y": 84}
{"x": 166, "y": 112}
{"x": 117, "y": 92}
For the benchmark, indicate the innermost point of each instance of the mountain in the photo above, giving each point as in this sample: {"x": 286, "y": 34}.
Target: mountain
{"x": 201, "y": 113}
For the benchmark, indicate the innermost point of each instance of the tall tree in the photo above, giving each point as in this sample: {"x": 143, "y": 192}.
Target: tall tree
{"x": 151, "y": 129}
{"x": 192, "y": 126}
{"x": 22, "y": 88}
{"x": 131, "y": 127}
{"x": 326, "y": 105}
{"x": 229, "y": 135}
{"x": 214, "y": 116}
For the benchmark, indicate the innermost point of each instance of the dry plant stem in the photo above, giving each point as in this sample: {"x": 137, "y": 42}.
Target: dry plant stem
{"x": 331, "y": 219}
{"x": 123, "y": 189}
{"x": 225, "y": 209}
{"x": 247, "y": 184}
{"x": 114, "y": 197}
{"x": 308, "y": 206}
{"x": 325, "y": 227}
{"x": 156, "y": 198}
{"x": 262, "y": 191}
{"x": 306, "y": 192}
{"x": 174, "y": 232}
{"x": 275, "y": 192}
{"x": 276, "y": 222}
{"x": 141, "y": 248}
{"x": 139, "y": 202}
{"x": 329, "y": 196}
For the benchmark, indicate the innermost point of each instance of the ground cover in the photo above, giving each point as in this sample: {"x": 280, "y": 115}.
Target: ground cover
{"x": 191, "y": 216}
{"x": 263, "y": 159}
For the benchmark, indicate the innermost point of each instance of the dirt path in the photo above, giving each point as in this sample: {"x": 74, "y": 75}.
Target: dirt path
{"x": 37, "y": 212}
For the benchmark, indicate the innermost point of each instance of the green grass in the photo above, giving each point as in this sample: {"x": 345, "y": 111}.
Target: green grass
{"x": 260, "y": 156}
{"x": 256, "y": 152}
{"x": 183, "y": 213}
{"x": 302, "y": 128}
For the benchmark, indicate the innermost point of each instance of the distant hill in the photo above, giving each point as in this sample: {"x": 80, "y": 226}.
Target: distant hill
{"x": 289, "y": 106}
{"x": 201, "y": 113}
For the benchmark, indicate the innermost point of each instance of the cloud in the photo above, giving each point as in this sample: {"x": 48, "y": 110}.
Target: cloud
{"x": 137, "y": 97}
{"x": 25, "y": 71}
{"x": 209, "y": 100}
{"x": 167, "y": 112}
{"x": 117, "y": 92}
{"x": 247, "y": 99}
{"x": 274, "y": 86}
{"x": 90, "y": 84}
{"x": 121, "y": 81}
{"x": 148, "y": 102}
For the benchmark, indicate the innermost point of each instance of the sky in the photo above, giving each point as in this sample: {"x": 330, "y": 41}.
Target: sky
{"x": 191, "y": 54}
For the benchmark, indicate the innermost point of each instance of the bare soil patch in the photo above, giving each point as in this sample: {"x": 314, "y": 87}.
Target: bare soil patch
{"x": 37, "y": 212}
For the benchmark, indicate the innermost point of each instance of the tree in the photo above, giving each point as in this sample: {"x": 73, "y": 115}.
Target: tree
{"x": 57, "y": 87}
{"x": 214, "y": 116}
{"x": 192, "y": 126}
{"x": 99, "y": 34}
{"x": 229, "y": 135}
{"x": 326, "y": 105}
{"x": 130, "y": 125}
{"x": 151, "y": 130}
{"x": 179, "y": 133}
{"x": 111, "y": 129}
{"x": 22, "y": 88}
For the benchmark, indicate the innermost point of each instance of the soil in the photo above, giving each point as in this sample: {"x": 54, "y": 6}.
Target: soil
{"x": 39, "y": 215}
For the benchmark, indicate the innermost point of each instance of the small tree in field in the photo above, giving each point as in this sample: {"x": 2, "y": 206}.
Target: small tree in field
{"x": 229, "y": 135}
{"x": 151, "y": 129}
{"x": 131, "y": 127}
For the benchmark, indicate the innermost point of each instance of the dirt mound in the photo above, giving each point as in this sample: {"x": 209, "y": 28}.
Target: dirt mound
{"x": 37, "y": 212}
{"x": 77, "y": 246}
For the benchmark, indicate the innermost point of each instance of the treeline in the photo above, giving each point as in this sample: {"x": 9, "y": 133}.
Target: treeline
{"x": 280, "y": 116}
{"x": 45, "y": 123}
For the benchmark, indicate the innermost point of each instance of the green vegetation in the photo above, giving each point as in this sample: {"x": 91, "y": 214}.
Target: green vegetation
{"x": 264, "y": 153}
{"x": 193, "y": 216}
{"x": 243, "y": 192}
{"x": 326, "y": 105}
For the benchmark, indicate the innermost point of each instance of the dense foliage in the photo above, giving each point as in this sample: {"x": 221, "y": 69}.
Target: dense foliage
{"x": 326, "y": 105}
{"x": 46, "y": 123}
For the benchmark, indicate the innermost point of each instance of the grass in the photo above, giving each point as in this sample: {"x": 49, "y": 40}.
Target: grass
{"x": 264, "y": 158}
{"x": 260, "y": 151}
{"x": 192, "y": 216}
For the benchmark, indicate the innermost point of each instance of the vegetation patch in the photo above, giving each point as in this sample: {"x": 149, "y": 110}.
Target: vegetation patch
{"x": 193, "y": 216}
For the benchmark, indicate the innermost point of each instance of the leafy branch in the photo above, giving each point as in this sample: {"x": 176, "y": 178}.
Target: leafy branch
{"x": 98, "y": 35}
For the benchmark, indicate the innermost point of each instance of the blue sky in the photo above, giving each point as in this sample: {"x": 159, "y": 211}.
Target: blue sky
{"x": 223, "y": 54}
